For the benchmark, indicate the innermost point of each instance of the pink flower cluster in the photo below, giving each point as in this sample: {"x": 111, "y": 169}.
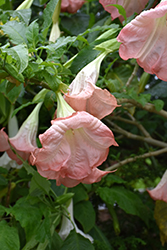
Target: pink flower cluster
{"x": 77, "y": 141}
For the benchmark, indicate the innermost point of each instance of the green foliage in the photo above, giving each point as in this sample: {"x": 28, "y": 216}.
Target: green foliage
{"x": 126, "y": 199}
{"x": 32, "y": 70}
{"x": 76, "y": 242}
{"x": 9, "y": 238}
{"x": 87, "y": 217}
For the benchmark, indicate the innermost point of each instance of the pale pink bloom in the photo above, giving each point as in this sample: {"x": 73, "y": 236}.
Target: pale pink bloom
{"x": 72, "y": 148}
{"x": 130, "y": 6}
{"x": 25, "y": 140}
{"x": 85, "y": 96}
{"x": 160, "y": 191}
{"x": 144, "y": 38}
{"x": 71, "y": 6}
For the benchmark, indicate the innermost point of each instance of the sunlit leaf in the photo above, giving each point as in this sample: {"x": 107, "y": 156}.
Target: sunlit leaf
{"x": 16, "y": 31}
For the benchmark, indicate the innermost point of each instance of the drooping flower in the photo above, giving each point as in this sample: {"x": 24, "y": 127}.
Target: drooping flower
{"x": 25, "y": 140}
{"x": 160, "y": 191}
{"x": 130, "y": 6}
{"x": 5, "y": 160}
{"x": 144, "y": 38}
{"x": 85, "y": 96}
{"x": 68, "y": 225}
{"x": 55, "y": 31}
{"x": 73, "y": 147}
{"x": 71, "y": 6}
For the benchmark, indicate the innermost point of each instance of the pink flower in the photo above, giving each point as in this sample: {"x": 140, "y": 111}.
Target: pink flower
{"x": 72, "y": 148}
{"x": 71, "y": 6}
{"x": 144, "y": 38}
{"x": 130, "y": 6}
{"x": 85, "y": 96}
{"x": 160, "y": 192}
{"x": 25, "y": 140}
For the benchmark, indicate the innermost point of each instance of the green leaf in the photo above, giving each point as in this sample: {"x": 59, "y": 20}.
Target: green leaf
{"x": 87, "y": 217}
{"x": 31, "y": 243}
{"x": 43, "y": 232}
{"x": 40, "y": 96}
{"x": 28, "y": 215}
{"x": 9, "y": 238}
{"x": 75, "y": 24}
{"x": 20, "y": 54}
{"x": 39, "y": 185}
{"x": 60, "y": 42}
{"x": 2, "y": 2}
{"x": 97, "y": 234}
{"x": 80, "y": 193}
{"x": 159, "y": 90}
{"x": 12, "y": 71}
{"x": 24, "y": 15}
{"x": 2, "y": 210}
{"x": 52, "y": 80}
{"x": 85, "y": 56}
{"x": 126, "y": 199}
{"x": 50, "y": 98}
{"x": 108, "y": 46}
{"x": 64, "y": 198}
{"x": 16, "y": 31}
{"x": 120, "y": 9}
{"x": 158, "y": 104}
{"x": 47, "y": 15}
{"x": 142, "y": 99}
{"x": 111, "y": 179}
{"x": 21, "y": 107}
{"x": 14, "y": 93}
{"x": 3, "y": 181}
{"x": 4, "y": 108}
{"x": 76, "y": 241}
{"x": 32, "y": 34}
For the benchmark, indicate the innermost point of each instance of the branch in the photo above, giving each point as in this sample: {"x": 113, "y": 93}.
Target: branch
{"x": 148, "y": 106}
{"x": 132, "y": 75}
{"x": 132, "y": 159}
{"x": 154, "y": 142}
{"x": 133, "y": 122}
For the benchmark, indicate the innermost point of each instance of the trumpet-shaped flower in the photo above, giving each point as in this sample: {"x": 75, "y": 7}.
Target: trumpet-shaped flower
{"x": 130, "y": 6}
{"x": 144, "y": 38}
{"x": 85, "y": 96}
{"x": 55, "y": 31}
{"x": 160, "y": 191}
{"x": 25, "y": 140}
{"x": 5, "y": 160}
{"x": 71, "y": 6}
{"x": 69, "y": 224}
{"x": 72, "y": 148}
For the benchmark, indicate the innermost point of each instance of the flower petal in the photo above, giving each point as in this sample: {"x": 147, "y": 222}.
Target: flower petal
{"x": 4, "y": 145}
{"x": 72, "y": 147}
{"x": 96, "y": 101}
{"x": 71, "y": 6}
{"x": 130, "y": 6}
{"x": 144, "y": 38}
{"x": 160, "y": 192}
